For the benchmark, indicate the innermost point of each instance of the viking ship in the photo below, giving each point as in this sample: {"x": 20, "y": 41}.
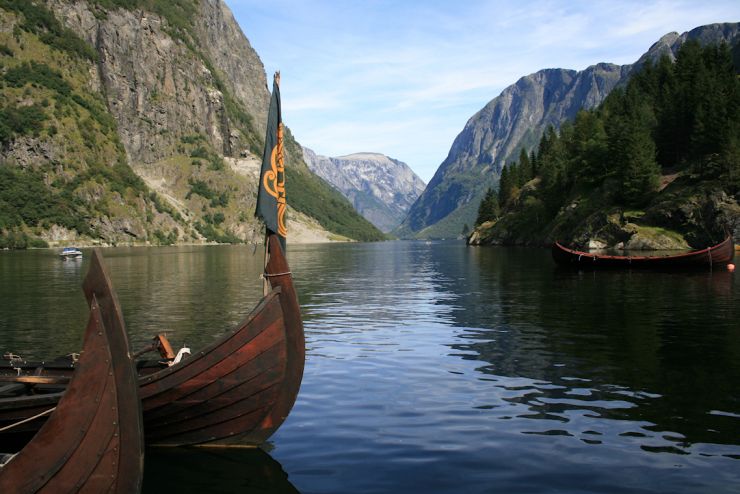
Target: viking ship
{"x": 239, "y": 389}
{"x": 92, "y": 440}
{"x": 708, "y": 258}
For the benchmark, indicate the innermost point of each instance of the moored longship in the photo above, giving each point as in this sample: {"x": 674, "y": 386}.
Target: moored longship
{"x": 716, "y": 256}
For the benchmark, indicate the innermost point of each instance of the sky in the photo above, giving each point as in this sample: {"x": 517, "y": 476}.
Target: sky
{"x": 402, "y": 77}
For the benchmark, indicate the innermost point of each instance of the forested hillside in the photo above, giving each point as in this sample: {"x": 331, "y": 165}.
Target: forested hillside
{"x": 657, "y": 165}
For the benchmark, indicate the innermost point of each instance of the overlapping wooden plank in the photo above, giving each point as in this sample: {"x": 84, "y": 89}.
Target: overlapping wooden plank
{"x": 236, "y": 399}
{"x": 222, "y": 424}
{"x": 271, "y": 336}
{"x": 247, "y": 372}
{"x": 162, "y": 381}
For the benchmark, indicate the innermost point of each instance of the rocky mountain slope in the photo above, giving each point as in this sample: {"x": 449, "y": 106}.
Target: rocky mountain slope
{"x": 380, "y": 188}
{"x": 516, "y": 119}
{"x": 655, "y": 167}
{"x": 121, "y": 114}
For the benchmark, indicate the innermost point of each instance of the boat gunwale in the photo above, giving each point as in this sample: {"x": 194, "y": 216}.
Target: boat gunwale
{"x": 628, "y": 259}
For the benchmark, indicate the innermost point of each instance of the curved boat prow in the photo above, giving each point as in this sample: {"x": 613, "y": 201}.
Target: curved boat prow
{"x": 93, "y": 440}
{"x": 279, "y": 275}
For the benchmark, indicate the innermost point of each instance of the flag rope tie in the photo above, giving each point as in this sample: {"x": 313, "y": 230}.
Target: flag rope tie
{"x": 268, "y": 275}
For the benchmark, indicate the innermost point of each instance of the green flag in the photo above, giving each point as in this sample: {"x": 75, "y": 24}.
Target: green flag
{"x": 271, "y": 203}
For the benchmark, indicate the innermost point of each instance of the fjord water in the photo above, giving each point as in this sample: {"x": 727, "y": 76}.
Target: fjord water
{"x": 434, "y": 367}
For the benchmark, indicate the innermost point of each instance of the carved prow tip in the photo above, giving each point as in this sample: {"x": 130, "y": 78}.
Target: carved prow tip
{"x": 95, "y": 273}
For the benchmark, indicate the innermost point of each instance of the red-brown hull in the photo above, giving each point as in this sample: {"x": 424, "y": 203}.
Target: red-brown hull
{"x": 718, "y": 255}
{"x": 238, "y": 390}
{"x": 92, "y": 441}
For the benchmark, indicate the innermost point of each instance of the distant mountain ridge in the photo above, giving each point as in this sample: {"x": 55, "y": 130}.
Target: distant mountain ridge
{"x": 381, "y": 189}
{"x": 516, "y": 119}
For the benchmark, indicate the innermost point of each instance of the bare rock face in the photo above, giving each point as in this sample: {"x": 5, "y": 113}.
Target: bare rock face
{"x": 233, "y": 56}
{"x": 380, "y": 188}
{"x": 495, "y": 135}
{"x": 159, "y": 89}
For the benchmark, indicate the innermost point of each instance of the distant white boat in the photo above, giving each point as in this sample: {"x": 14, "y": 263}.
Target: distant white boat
{"x": 70, "y": 253}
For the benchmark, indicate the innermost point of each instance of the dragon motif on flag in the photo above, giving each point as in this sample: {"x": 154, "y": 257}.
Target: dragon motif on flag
{"x": 274, "y": 181}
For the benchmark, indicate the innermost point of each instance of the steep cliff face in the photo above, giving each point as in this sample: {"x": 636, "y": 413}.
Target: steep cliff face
{"x": 161, "y": 87}
{"x": 516, "y": 119}
{"x": 495, "y": 135}
{"x": 380, "y": 188}
{"x": 166, "y": 89}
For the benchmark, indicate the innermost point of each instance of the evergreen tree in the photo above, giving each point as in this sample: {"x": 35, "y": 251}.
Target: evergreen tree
{"x": 669, "y": 115}
{"x": 553, "y": 170}
{"x": 489, "y": 207}
{"x": 689, "y": 71}
{"x": 524, "y": 168}
{"x": 504, "y": 187}
{"x": 588, "y": 150}
{"x": 533, "y": 161}
{"x": 632, "y": 149}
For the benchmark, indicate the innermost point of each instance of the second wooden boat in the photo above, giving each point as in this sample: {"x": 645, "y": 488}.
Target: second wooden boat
{"x": 708, "y": 258}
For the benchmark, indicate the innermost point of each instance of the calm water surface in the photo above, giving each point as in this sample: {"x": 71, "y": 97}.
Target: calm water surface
{"x": 436, "y": 367}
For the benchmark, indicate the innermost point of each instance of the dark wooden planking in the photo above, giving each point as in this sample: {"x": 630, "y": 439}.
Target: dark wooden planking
{"x": 267, "y": 316}
{"x": 81, "y": 446}
{"x": 718, "y": 255}
{"x": 97, "y": 284}
{"x": 249, "y": 374}
{"x": 221, "y": 415}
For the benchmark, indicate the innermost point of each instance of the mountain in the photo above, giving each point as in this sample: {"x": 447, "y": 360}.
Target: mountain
{"x": 380, "y": 188}
{"x": 140, "y": 122}
{"x": 516, "y": 119}
{"x": 656, "y": 166}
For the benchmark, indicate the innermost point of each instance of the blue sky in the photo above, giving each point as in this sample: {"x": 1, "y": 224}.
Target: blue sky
{"x": 402, "y": 77}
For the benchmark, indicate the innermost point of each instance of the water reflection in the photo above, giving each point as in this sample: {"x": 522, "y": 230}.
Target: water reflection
{"x": 192, "y": 293}
{"x": 608, "y": 356}
{"x": 204, "y": 470}
{"x": 42, "y": 303}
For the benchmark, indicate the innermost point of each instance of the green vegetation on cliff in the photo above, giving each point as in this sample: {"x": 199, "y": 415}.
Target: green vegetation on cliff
{"x": 661, "y": 153}
{"x": 62, "y": 163}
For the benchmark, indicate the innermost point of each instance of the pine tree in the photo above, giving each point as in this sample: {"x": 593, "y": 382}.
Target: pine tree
{"x": 588, "y": 150}
{"x": 504, "y": 187}
{"x": 489, "y": 208}
{"x": 533, "y": 161}
{"x": 632, "y": 149}
{"x": 524, "y": 168}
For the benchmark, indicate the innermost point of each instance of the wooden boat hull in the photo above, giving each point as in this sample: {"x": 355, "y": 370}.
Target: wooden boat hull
{"x": 92, "y": 441}
{"x": 238, "y": 390}
{"x": 711, "y": 257}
